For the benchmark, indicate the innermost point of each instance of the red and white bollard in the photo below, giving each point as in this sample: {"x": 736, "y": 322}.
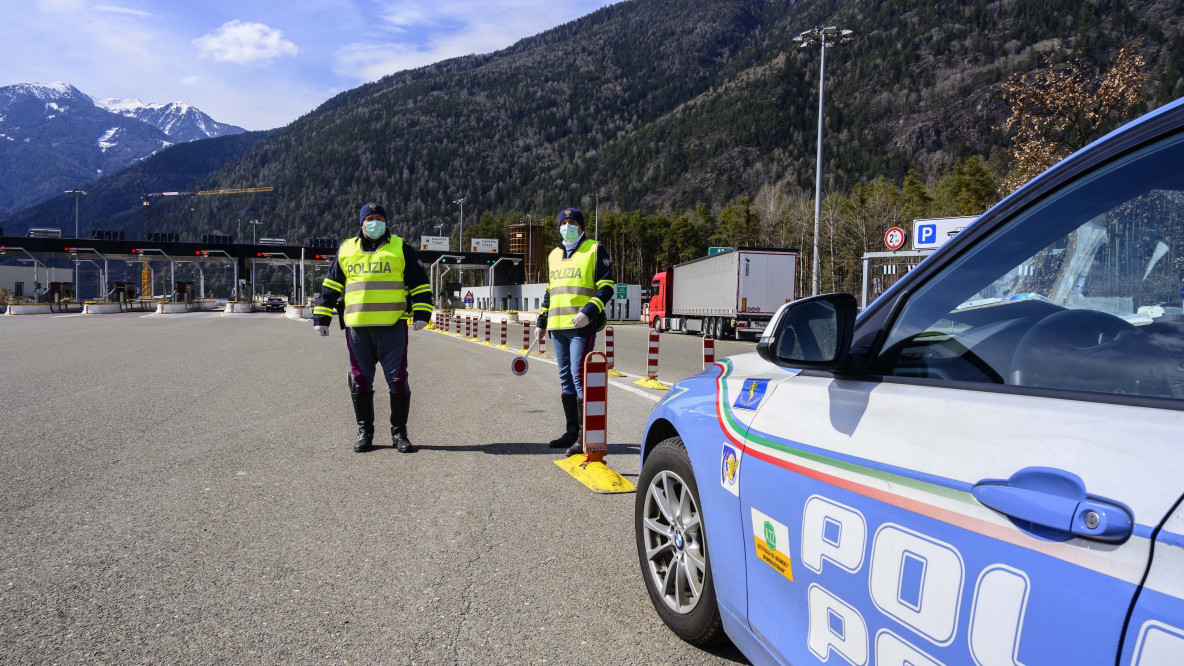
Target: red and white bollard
{"x": 468, "y": 326}
{"x": 543, "y": 345}
{"x": 595, "y": 407}
{"x": 652, "y": 369}
{"x": 488, "y": 323}
{"x": 456, "y": 324}
{"x": 525, "y": 335}
{"x": 708, "y": 351}
{"x": 503, "y": 333}
{"x": 609, "y": 348}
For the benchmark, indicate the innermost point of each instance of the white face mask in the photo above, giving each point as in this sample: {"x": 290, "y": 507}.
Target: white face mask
{"x": 374, "y": 229}
{"x": 570, "y": 232}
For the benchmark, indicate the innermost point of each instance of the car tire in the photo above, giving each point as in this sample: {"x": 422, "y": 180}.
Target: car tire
{"x": 657, "y": 324}
{"x": 664, "y": 539}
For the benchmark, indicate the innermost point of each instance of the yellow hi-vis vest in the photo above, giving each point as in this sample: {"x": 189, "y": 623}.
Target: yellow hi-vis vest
{"x": 374, "y": 291}
{"x": 572, "y": 284}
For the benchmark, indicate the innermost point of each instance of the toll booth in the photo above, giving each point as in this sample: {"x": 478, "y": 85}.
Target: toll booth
{"x": 184, "y": 292}
{"x": 59, "y": 291}
{"x": 122, "y": 292}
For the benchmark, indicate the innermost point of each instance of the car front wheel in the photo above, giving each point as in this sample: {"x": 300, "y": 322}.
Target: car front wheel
{"x": 672, "y": 546}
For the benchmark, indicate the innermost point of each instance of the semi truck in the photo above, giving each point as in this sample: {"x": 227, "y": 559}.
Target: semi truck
{"x": 725, "y": 295}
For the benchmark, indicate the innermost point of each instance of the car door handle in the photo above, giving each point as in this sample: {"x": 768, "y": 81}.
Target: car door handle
{"x": 1056, "y": 499}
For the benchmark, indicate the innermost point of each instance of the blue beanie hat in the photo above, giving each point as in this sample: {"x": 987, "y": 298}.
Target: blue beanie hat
{"x": 370, "y": 209}
{"x": 573, "y": 214}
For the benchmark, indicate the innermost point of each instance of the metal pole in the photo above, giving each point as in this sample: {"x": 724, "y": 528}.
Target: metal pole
{"x": 864, "y": 290}
{"x": 461, "y": 242}
{"x": 596, "y": 216}
{"x": 76, "y": 213}
{"x": 818, "y": 169}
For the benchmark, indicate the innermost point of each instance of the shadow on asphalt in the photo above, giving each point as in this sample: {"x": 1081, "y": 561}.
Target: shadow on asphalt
{"x": 523, "y": 448}
{"x": 729, "y": 652}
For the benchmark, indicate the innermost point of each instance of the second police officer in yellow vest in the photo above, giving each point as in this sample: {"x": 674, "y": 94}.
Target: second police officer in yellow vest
{"x": 378, "y": 279}
{"x": 580, "y": 284}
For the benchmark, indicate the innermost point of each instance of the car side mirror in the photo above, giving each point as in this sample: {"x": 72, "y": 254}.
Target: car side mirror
{"x": 811, "y": 334}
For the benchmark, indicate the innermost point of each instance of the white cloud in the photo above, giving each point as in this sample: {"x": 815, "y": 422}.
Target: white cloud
{"x": 189, "y": 80}
{"x": 413, "y": 34}
{"x": 59, "y": 5}
{"x": 122, "y": 10}
{"x": 244, "y": 43}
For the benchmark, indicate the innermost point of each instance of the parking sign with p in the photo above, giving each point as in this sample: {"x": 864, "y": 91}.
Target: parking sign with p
{"x": 933, "y": 233}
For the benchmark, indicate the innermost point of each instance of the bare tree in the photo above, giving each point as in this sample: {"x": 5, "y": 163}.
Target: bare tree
{"x": 1059, "y": 110}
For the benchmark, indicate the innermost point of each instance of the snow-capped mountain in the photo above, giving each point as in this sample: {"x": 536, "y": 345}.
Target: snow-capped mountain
{"x": 54, "y": 137}
{"x": 179, "y": 120}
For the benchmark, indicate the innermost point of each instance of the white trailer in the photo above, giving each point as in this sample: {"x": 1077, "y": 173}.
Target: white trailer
{"x": 727, "y": 294}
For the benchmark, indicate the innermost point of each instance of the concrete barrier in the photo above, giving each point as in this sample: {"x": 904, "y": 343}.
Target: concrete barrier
{"x": 28, "y": 308}
{"x": 238, "y": 307}
{"x": 171, "y": 308}
{"x": 92, "y": 307}
{"x": 298, "y": 312}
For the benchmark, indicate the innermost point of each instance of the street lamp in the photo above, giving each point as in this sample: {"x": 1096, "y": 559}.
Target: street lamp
{"x": 255, "y": 226}
{"x": 76, "y": 192}
{"x": 596, "y": 217}
{"x": 829, "y": 36}
{"x": 460, "y": 243}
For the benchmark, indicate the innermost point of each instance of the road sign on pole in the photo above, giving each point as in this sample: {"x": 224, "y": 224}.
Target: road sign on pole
{"x": 894, "y": 238}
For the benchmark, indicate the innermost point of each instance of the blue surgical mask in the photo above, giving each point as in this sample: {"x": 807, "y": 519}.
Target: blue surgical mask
{"x": 570, "y": 232}
{"x": 374, "y": 229}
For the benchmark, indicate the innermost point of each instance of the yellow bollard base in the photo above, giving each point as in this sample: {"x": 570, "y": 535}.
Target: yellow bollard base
{"x": 613, "y": 372}
{"x": 652, "y": 383}
{"x": 504, "y": 347}
{"x": 597, "y": 476}
{"x": 541, "y": 355}
{"x": 486, "y": 343}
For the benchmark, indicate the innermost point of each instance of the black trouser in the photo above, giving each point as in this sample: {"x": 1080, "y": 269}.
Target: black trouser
{"x": 370, "y": 345}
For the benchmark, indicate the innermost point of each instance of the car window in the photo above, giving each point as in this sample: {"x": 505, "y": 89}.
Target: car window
{"x": 1080, "y": 292}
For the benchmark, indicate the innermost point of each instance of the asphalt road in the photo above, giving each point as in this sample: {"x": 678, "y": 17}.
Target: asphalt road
{"x": 181, "y": 488}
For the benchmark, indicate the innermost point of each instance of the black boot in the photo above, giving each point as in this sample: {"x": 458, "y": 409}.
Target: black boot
{"x": 578, "y": 447}
{"x": 572, "y": 414}
{"x": 364, "y": 411}
{"x": 400, "y": 406}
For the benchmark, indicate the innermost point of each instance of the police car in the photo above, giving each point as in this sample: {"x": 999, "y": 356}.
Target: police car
{"x": 986, "y": 466}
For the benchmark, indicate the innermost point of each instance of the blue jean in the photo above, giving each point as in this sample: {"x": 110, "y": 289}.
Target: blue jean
{"x": 570, "y": 350}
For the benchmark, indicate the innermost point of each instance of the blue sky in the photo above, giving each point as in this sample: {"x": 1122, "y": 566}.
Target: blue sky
{"x": 253, "y": 63}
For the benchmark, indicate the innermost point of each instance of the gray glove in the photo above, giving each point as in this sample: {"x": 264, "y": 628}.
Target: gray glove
{"x": 419, "y": 325}
{"x": 581, "y": 320}
{"x": 540, "y": 333}
{"x": 323, "y": 330}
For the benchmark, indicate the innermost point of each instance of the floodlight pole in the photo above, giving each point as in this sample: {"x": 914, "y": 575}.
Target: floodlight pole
{"x": 828, "y": 36}
{"x": 460, "y": 242}
{"x": 76, "y": 192}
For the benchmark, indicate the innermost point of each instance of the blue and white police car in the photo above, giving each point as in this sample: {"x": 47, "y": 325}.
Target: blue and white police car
{"x": 986, "y": 466}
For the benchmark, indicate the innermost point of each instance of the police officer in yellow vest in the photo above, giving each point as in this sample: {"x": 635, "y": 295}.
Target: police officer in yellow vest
{"x": 380, "y": 282}
{"x": 580, "y": 285}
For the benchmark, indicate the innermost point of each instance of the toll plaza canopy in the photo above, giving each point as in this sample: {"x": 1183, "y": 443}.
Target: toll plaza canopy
{"x": 506, "y": 272}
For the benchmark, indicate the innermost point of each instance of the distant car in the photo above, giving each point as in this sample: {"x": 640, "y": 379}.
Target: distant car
{"x": 274, "y": 304}
{"x": 983, "y": 467}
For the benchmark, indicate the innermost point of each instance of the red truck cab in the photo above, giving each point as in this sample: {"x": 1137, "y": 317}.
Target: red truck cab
{"x": 659, "y": 299}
